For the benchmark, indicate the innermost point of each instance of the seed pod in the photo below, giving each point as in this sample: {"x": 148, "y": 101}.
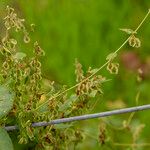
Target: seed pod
{"x": 38, "y": 50}
{"x": 113, "y": 68}
{"x": 102, "y": 134}
{"x": 26, "y": 38}
{"x": 134, "y": 42}
{"x": 6, "y": 65}
{"x": 7, "y": 25}
{"x": 78, "y": 71}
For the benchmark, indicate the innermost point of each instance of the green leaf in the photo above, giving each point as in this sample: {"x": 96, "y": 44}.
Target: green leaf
{"x": 128, "y": 31}
{"x": 13, "y": 41}
{"x": 6, "y": 101}
{"x": 93, "y": 70}
{"x": 19, "y": 56}
{"x": 93, "y": 93}
{"x": 5, "y": 141}
{"x": 68, "y": 103}
{"x": 62, "y": 126}
{"x": 111, "y": 56}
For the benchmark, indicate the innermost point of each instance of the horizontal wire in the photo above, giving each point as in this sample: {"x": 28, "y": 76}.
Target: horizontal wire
{"x": 84, "y": 117}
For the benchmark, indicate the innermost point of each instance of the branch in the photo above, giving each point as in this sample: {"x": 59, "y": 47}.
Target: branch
{"x": 84, "y": 117}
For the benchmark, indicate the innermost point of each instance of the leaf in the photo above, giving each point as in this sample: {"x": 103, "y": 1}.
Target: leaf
{"x": 5, "y": 141}
{"x": 19, "y": 56}
{"x": 62, "y": 126}
{"x": 111, "y": 56}
{"x": 6, "y": 101}
{"x": 93, "y": 93}
{"x": 93, "y": 71}
{"x": 13, "y": 41}
{"x": 68, "y": 103}
{"x": 42, "y": 108}
{"x": 65, "y": 106}
{"x": 128, "y": 31}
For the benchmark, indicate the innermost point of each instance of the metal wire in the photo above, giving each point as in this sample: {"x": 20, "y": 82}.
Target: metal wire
{"x": 84, "y": 117}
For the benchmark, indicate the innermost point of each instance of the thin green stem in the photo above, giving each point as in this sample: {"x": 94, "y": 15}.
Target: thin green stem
{"x": 105, "y": 64}
{"x": 143, "y": 21}
{"x": 137, "y": 145}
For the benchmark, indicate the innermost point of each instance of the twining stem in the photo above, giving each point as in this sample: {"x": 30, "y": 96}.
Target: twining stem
{"x": 137, "y": 145}
{"x": 142, "y": 21}
{"x": 105, "y": 64}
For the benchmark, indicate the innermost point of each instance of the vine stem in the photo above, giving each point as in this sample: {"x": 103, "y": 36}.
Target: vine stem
{"x": 137, "y": 145}
{"x": 115, "y": 52}
{"x": 84, "y": 117}
{"x": 142, "y": 20}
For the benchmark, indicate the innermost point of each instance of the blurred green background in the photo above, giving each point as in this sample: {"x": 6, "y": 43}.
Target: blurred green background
{"x": 88, "y": 30}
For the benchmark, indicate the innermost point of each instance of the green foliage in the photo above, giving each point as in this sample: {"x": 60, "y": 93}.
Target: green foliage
{"x": 33, "y": 100}
{"x": 6, "y": 101}
{"x": 31, "y": 103}
{"x": 19, "y": 56}
{"x": 5, "y": 141}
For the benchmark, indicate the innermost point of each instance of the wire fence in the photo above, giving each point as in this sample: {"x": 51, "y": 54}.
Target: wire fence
{"x": 84, "y": 117}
